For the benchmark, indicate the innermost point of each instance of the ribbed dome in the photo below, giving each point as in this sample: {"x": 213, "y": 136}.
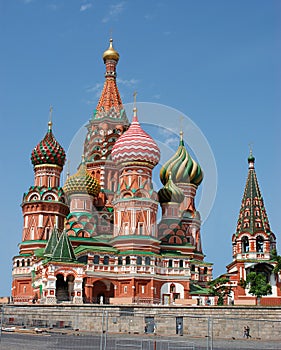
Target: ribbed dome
{"x": 135, "y": 145}
{"x": 110, "y": 53}
{"x": 182, "y": 167}
{"x": 82, "y": 182}
{"x": 170, "y": 193}
{"x": 48, "y": 151}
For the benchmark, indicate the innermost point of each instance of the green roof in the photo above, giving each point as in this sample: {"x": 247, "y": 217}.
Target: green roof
{"x": 138, "y": 252}
{"x": 84, "y": 248}
{"x": 43, "y": 241}
{"x": 52, "y": 242}
{"x": 63, "y": 250}
{"x": 196, "y": 289}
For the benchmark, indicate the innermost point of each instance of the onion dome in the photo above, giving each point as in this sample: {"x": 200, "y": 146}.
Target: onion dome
{"x": 135, "y": 146}
{"x": 110, "y": 53}
{"x": 48, "y": 151}
{"x": 182, "y": 167}
{"x": 82, "y": 182}
{"x": 251, "y": 159}
{"x": 170, "y": 193}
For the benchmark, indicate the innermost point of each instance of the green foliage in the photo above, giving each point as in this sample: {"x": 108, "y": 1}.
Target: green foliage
{"x": 219, "y": 287}
{"x": 257, "y": 284}
{"x": 276, "y": 258}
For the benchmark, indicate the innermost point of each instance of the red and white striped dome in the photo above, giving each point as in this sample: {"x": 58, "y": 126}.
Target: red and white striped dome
{"x": 135, "y": 146}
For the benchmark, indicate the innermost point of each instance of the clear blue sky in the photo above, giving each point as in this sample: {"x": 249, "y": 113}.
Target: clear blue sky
{"x": 218, "y": 62}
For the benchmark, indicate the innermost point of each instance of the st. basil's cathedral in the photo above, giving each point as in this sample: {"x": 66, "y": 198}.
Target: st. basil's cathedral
{"x": 97, "y": 239}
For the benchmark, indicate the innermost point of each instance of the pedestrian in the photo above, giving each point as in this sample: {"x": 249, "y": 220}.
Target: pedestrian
{"x": 180, "y": 329}
{"x": 245, "y": 332}
{"x": 248, "y": 332}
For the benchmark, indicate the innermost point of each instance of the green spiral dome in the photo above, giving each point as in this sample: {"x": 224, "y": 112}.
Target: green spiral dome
{"x": 182, "y": 167}
{"x": 170, "y": 193}
{"x": 82, "y": 182}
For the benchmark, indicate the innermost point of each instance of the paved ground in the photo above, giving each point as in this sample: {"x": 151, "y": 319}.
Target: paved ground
{"x": 56, "y": 341}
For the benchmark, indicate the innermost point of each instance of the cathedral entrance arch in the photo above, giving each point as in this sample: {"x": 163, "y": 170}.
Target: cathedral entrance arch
{"x": 64, "y": 287}
{"x": 103, "y": 290}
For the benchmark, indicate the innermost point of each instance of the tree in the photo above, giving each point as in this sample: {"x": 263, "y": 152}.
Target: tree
{"x": 257, "y": 284}
{"x": 220, "y": 287}
{"x": 277, "y": 259}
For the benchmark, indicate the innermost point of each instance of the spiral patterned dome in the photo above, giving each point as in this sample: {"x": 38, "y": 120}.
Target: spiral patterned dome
{"x": 82, "y": 182}
{"x": 170, "y": 193}
{"x": 182, "y": 167}
{"x": 135, "y": 145}
{"x": 48, "y": 151}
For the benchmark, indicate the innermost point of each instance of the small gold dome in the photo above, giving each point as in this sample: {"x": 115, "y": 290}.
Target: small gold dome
{"x": 110, "y": 53}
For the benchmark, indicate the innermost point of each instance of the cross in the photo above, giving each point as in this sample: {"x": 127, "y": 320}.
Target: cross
{"x": 135, "y": 98}
{"x": 181, "y": 132}
{"x": 51, "y": 113}
{"x": 50, "y": 118}
{"x": 251, "y": 148}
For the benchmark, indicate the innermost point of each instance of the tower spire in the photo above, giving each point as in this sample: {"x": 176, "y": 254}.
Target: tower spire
{"x": 253, "y": 218}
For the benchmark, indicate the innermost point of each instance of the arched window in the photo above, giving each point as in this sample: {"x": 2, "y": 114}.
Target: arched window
{"x": 181, "y": 263}
{"x": 22, "y": 263}
{"x": 172, "y": 288}
{"x": 205, "y": 270}
{"x": 192, "y": 267}
{"x": 170, "y": 263}
{"x": 28, "y": 262}
{"x": 18, "y": 263}
{"x": 120, "y": 260}
{"x": 259, "y": 244}
{"x": 96, "y": 259}
{"x": 128, "y": 260}
{"x": 139, "y": 260}
{"x": 106, "y": 260}
{"x": 245, "y": 244}
{"x": 147, "y": 260}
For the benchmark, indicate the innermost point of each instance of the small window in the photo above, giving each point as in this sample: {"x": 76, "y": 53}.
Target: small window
{"x": 170, "y": 263}
{"x": 96, "y": 259}
{"x": 181, "y": 263}
{"x": 22, "y": 263}
{"x": 139, "y": 260}
{"x": 259, "y": 244}
{"x": 140, "y": 228}
{"x": 125, "y": 289}
{"x": 18, "y": 263}
{"x": 120, "y": 260}
{"x": 147, "y": 260}
{"x": 245, "y": 244}
{"x": 128, "y": 260}
{"x": 172, "y": 288}
{"x": 106, "y": 260}
{"x": 28, "y": 262}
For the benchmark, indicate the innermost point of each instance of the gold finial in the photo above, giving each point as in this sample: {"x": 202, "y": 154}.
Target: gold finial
{"x": 50, "y": 118}
{"x": 181, "y": 135}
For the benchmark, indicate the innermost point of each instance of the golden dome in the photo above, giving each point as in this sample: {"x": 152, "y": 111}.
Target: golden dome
{"x": 110, "y": 53}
